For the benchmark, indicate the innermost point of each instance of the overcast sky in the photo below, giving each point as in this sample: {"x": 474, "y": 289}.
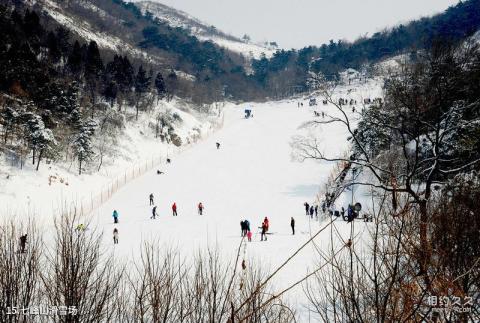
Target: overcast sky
{"x": 297, "y": 23}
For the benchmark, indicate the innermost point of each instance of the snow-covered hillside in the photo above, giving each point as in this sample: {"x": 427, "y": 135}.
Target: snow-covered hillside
{"x": 202, "y": 31}
{"x": 253, "y": 175}
{"x": 135, "y": 151}
{"x": 90, "y": 33}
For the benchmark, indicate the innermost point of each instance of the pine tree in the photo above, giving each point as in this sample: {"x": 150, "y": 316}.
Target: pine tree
{"x": 46, "y": 144}
{"x": 160, "y": 86}
{"x": 82, "y": 142}
{"x": 39, "y": 139}
{"x": 110, "y": 92}
{"x": 142, "y": 84}
{"x": 8, "y": 120}
{"x": 75, "y": 59}
{"x": 93, "y": 70}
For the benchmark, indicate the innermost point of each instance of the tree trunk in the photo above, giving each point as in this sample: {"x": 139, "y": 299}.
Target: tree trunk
{"x": 424, "y": 246}
{"x": 33, "y": 156}
{"x": 39, "y": 158}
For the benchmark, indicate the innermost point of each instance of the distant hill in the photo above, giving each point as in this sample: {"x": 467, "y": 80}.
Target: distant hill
{"x": 206, "y": 64}
{"x": 202, "y": 31}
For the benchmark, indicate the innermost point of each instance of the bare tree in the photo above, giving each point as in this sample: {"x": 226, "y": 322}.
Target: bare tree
{"x": 79, "y": 274}
{"x": 412, "y": 142}
{"x": 19, "y": 269}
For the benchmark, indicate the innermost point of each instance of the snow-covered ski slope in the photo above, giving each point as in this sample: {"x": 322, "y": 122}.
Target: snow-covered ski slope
{"x": 251, "y": 176}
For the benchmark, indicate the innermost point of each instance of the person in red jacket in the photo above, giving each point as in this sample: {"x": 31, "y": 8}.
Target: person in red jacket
{"x": 174, "y": 209}
{"x": 266, "y": 223}
{"x": 200, "y": 208}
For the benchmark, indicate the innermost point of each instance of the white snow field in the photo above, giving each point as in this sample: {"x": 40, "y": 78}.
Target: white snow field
{"x": 251, "y": 176}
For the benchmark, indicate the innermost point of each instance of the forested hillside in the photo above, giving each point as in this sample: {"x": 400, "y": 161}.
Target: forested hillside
{"x": 287, "y": 70}
{"x": 56, "y": 84}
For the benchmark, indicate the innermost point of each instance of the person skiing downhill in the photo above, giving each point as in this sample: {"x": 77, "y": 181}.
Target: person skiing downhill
{"x": 154, "y": 212}
{"x": 115, "y": 236}
{"x": 242, "y": 227}
{"x": 218, "y": 145}
{"x": 151, "y": 199}
{"x": 307, "y": 207}
{"x": 200, "y": 208}
{"x": 23, "y": 242}
{"x": 316, "y": 211}
{"x": 174, "y": 209}
{"x": 292, "y": 224}
{"x": 115, "y": 216}
{"x": 312, "y": 210}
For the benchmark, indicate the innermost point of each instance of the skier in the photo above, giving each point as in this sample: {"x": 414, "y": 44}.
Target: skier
{"x": 115, "y": 216}
{"x": 168, "y": 161}
{"x": 343, "y": 212}
{"x": 200, "y": 208}
{"x": 292, "y": 224}
{"x": 266, "y": 222}
{"x": 81, "y": 227}
{"x": 151, "y": 199}
{"x": 218, "y": 145}
{"x": 23, "y": 242}
{"x": 242, "y": 227}
{"x": 249, "y": 236}
{"x": 312, "y": 210}
{"x": 316, "y": 211}
{"x": 115, "y": 236}
{"x": 350, "y": 215}
{"x": 154, "y": 212}
{"x": 264, "y": 231}
{"x": 323, "y": 207}
{"x": 307, "y": 207}
{"x": 174, "y": 209}
{"x": 247, "y": 225}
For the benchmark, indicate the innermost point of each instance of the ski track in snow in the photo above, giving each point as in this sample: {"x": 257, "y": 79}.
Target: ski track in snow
{"x": 251, "y": 176}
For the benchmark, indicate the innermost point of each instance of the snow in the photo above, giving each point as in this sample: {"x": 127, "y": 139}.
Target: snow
{"x": 248, "y": 50}
{"x": 251, "y": 176}
{"x": 44, "y": 191}
{"x": 176, "y": 18}
{"x": 86, "y": 31}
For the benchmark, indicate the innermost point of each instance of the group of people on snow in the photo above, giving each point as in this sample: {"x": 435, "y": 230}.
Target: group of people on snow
{"x": 329, "y": 207}
{"x": 311, "y": 210}
{"x": 247, "y": 232}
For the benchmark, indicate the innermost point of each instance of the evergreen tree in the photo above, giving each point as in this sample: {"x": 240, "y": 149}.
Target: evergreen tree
{"x": 75, "y": 59}
{"x": 160, "y": 86}
{"x": 142, "y": 84}
{"x": 82, "y": 142}
{"x": 110, "y": 92}
{"x": 8, "y": 120}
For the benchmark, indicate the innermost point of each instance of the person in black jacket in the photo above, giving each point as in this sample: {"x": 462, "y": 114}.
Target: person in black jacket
{"x": 292, "y": 224}
{"x": 23, "y": 242}
{"x": 307, "y": 208}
